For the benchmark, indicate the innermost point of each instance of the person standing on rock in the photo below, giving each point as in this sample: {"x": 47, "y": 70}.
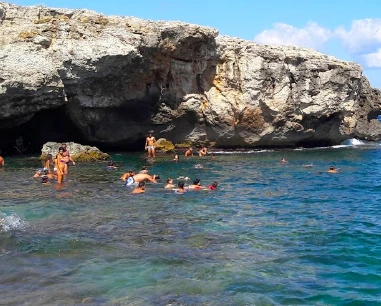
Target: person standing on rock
{"x": 150, "y": 144}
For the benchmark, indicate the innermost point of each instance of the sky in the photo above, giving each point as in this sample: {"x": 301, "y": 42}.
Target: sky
{"x": 350, "y": 30}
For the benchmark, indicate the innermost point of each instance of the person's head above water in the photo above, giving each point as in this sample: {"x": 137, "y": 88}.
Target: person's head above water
{"x": 142, "y": 185}
{"x": 110, "y": 163}
{"x": 169, "y": 181}
{"x": 180, "y": 185}
{"x": 196, "y": 182}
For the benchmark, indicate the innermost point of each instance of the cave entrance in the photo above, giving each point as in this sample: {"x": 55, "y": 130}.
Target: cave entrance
{"x": 46, "y": 125}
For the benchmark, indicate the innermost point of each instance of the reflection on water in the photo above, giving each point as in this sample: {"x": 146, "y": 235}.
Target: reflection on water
{"x": 271, "y": 233}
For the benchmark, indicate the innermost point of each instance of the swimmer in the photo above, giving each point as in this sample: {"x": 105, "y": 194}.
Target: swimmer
{"x": 140, "y": 189}
{"x": 283, "y": 161}
{"x": 180, "y": 188}
{"x": 169, "y": 184}
{"x": 144, "y": 169}
{"x": 213, "y": 186}
{"x": 49, "y": 175}
{"x": 308, "y": 165}
{"x": 45, "y": 180}
{"x": 332, "y": 169}
{"x": 38, "y": 173}
{"x": 141, "y": 177}
{"x": 176, "y": 158}
{"x": 125, "y": 176}
{"x": 48, "y": 162}
{"x": 111, "y": 166}
{"x": 188, "y": 152}
{"x": 203, "y": 152}
{"x": 196, "y": 185}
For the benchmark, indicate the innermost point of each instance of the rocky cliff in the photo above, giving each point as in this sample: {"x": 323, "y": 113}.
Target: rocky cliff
{"x": 78, "y": 75}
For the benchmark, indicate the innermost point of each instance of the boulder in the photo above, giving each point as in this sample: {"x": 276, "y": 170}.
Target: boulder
{"x": 77, "y": 151}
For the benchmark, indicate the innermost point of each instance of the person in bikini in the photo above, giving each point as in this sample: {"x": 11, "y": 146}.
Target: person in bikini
{"x": 61, "y": 161}
{"x": 150, "y": 144}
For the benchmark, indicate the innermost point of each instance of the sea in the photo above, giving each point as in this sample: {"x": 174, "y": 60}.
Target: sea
{"x": 270, "y": 234}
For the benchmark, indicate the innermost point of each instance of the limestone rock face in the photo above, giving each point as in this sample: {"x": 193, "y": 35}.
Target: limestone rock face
{"x": 77, "y": 151}
{"x": 115, "y": 78}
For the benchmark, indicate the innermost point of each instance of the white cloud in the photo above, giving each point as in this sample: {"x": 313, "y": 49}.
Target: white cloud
{"x": 312, "y": 36}
{"x": 362, "y": 41}
{"x": 373, "y": 60}
{"x": 363, "y": 37}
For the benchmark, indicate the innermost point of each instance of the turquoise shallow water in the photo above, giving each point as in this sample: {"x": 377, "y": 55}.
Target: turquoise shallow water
{"x": 271, "y": 234}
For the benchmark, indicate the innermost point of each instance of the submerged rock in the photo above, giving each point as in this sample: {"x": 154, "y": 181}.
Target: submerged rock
{"x": 77, "y": 151}
{"x": 113, "y": 78}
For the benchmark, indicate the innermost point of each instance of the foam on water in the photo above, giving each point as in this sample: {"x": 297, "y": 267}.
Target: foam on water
{"x": 12, "y": 222}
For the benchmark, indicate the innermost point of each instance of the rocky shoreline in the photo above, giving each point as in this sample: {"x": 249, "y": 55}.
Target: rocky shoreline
{"x": 107, "y": 80}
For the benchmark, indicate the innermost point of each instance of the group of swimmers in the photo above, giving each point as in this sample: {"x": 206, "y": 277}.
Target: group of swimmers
{"x": 331, "y": 169}
{"x": 60, "y": 166}
{"x": 139, "y": 181}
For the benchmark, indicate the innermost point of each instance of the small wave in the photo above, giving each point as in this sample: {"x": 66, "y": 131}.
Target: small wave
{"x": 12, "y": 222}
{"x": 356, "y": 142}
{"x": 241, "y": 151}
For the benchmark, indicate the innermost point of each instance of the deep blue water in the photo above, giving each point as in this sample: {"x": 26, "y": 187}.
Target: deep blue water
{"x": 271, "y": 234}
